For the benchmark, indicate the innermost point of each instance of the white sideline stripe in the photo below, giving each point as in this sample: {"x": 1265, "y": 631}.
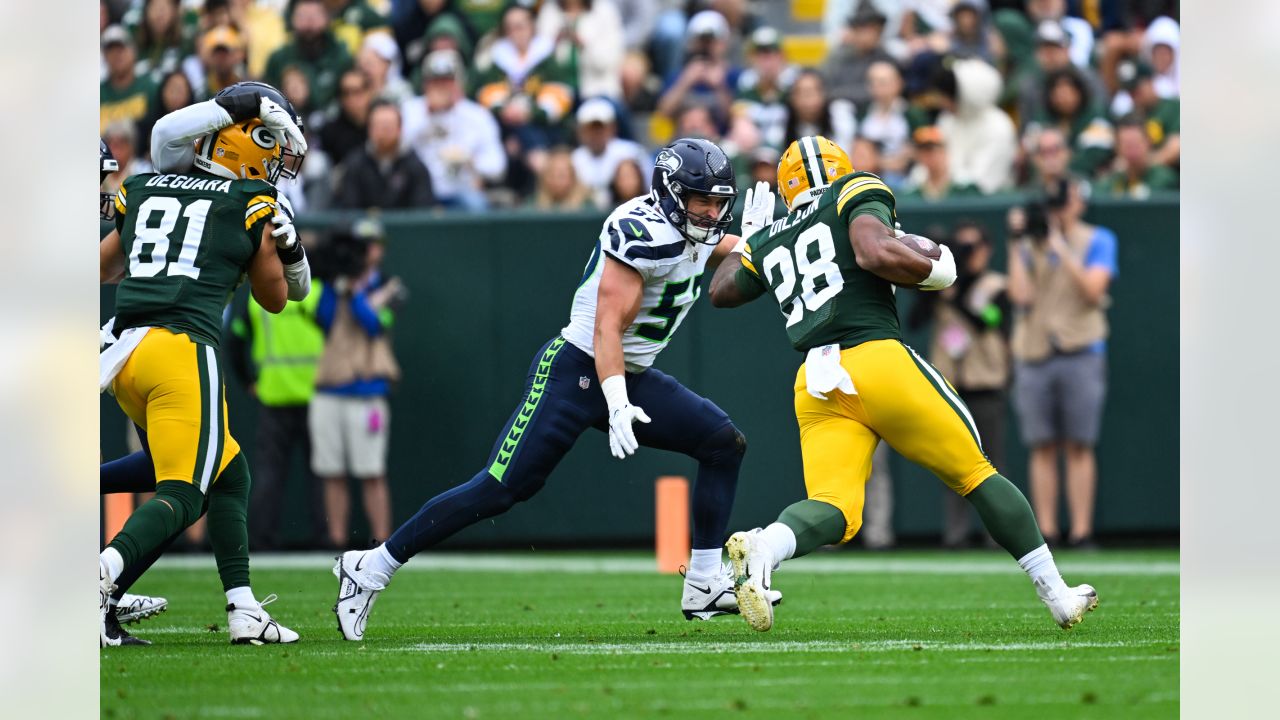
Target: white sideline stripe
{"x": 753, "y": 646}
{"x": 529, "y": 563}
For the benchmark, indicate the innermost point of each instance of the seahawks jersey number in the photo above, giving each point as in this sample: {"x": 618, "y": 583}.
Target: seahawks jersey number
{"x": 813, "y": 261}
{"x": 150, "y": 253}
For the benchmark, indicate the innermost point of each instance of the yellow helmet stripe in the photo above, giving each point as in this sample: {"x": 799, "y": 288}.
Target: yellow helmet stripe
{"x": 855, "y": 189}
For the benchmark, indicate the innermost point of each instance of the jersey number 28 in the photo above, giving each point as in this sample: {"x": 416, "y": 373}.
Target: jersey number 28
{"x": 820, "y": 278}
{"x": 154, "y": 241}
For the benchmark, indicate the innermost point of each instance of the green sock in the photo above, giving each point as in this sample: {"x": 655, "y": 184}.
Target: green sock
{"x": 1007, "y": 515}
{"x": 229, "y": 523}
{"x": 175, "y": 505}
{"x": 814, "y": 523}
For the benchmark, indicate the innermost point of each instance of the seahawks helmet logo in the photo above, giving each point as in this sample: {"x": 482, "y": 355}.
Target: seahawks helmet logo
{"x": 263, "y": 137}
{"x": 668, "y": 160}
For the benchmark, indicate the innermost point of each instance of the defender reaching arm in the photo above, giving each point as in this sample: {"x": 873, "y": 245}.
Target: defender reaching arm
{"x": 617, "y": 304}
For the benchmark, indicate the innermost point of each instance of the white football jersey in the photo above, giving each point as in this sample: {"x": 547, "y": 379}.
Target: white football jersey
{"x": 637, "y": 235}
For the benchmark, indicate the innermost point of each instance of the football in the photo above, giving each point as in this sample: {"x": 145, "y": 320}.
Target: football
{"x": 922, "y": 245}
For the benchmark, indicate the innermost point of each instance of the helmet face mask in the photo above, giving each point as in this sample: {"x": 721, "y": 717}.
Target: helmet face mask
{"x": 692, "y": 167}
{"x": 106, "y": 165}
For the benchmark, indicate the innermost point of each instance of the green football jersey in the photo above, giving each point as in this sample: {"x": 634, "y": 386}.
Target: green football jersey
{"x": 188, "y": 241}
{"x": 807, "y": 262}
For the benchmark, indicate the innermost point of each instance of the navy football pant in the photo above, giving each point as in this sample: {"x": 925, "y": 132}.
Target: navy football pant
{"x": 562, "y": 399}
{"x": 132, "y": 474}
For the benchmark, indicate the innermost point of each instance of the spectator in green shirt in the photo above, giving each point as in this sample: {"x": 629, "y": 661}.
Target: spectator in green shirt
{"x": 124, "y": 95}
{"x": 1135, "y": 175}
{"x": 932, "y": 173}
{"x": 314, "y": 50}
{"x": 1162, "y": 115}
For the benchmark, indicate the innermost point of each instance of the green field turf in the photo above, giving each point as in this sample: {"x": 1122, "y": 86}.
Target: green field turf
{"x": 550, "y": 635}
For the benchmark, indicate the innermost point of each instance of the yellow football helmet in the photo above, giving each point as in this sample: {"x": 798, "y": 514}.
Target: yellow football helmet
{"x": 809, "y": 165}
{"x": 245, "y": 150}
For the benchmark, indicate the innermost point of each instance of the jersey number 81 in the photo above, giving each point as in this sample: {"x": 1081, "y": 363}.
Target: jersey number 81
{"x": 820, "y": 278}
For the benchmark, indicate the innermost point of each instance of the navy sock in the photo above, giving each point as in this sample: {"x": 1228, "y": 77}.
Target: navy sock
{"x": 450, "y": 511}
{"x": 719, "y": 458}
{"x": 130, "y": 474}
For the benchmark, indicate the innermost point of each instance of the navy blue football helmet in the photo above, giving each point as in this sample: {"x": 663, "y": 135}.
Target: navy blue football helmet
{"x": 693, "y": 166}
{"x": 106, "y": 165}
{"x": 248, "y": 93}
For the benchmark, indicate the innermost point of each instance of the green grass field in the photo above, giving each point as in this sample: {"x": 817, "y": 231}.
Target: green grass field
{"x": 551, "y": 635}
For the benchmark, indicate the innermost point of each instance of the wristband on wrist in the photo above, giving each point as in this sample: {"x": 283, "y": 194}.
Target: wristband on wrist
{"x": 615, "y": 391}
{"x": 291, "y": 255}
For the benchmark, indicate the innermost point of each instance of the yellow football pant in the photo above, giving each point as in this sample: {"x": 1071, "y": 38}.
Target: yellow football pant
{"x": 899, "y": 397}
{"x": 171, "y": 387}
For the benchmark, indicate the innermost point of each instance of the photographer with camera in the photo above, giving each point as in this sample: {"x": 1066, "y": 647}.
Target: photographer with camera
{"x": 1059, "y": 270}
{"x": 349, "y": 417}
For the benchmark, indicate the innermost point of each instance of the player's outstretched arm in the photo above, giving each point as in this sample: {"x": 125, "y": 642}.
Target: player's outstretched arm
{"x": 880, "y": 253}
{"x": 266, "y": 274}
{"x": 730, "y": 287}
{"x": 110, "y": 259}
{"x": 617, "y": 304}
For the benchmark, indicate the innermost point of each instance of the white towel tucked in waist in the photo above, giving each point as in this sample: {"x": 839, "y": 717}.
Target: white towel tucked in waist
{"x": 824, "y": 373}
{"x": 117, "y": 352}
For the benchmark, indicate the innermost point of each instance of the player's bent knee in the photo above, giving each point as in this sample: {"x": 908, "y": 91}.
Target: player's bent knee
{"x": 726, "y": 445}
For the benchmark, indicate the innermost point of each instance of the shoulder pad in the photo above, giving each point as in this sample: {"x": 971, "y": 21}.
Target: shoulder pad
{"x": 635, "y": 234}
{"x": 859, "y": 186}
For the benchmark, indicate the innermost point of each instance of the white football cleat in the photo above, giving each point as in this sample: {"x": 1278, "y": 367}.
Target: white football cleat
{"x": 136, "y": 608}
{"x": 1068, "y": 609}
{"x": 705, "y": 597}
{"x": 105, "y": 588}
{"x": 358, "y": 588}
{"x": 752, "y": 565}
{"x": 251, "y": 625}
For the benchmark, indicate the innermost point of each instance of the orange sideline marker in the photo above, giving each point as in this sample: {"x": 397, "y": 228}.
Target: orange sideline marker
{"x": 672, "y": 523}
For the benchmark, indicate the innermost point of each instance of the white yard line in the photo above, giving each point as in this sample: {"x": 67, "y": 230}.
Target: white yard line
{"x": 752, "y": 646}
{"x": 612, "y": 565}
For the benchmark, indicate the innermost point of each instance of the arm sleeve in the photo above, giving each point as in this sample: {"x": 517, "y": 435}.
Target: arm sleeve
{"x": 1102, "y": 251}
{"x": 365, "y": 314}
{"x": 259, "y": 208}
{"x": 172, "y": 138}
{"x": 327, "y": 307}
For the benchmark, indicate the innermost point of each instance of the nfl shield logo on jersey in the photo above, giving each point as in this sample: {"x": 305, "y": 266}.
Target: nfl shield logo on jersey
{"x": 584, "y": 382}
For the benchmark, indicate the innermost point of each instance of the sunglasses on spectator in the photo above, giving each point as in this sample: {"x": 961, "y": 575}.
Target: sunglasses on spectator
{"x": 352, "y": 90}
{"x": 1050, "y": 149}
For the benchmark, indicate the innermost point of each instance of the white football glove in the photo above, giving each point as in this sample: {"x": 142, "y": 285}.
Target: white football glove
{"x": 943, "y": 273}
{"x": 280, "y": 123}
{"x": 285, "y": 234}
{"x": 622, "y": 438}
{"x": 757, "y": 209}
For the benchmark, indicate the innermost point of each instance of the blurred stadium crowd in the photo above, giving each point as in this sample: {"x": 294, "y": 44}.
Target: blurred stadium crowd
{"x": 560, "y": 104}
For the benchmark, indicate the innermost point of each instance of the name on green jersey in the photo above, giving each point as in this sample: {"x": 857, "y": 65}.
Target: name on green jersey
{"x": 792, "y": 219}
{"x": 187, "y": 182}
